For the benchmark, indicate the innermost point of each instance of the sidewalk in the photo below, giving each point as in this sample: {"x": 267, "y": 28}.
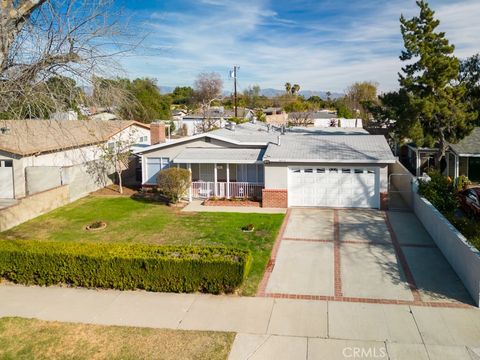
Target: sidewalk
{"x": 267, "y": 328}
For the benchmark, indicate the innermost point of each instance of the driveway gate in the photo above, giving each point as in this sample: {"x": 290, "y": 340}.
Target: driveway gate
{"x": 400, "y": 196}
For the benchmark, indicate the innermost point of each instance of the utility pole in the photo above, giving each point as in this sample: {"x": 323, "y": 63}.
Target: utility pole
{"x": 234, "y": 75}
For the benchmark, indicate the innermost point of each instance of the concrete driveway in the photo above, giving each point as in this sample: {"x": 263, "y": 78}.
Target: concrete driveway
{"x": 361, "y": 255}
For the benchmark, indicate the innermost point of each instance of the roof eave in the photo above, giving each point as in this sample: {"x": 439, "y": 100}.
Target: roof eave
{"x": 199, "y": 136}
{"x": 217, "y": 161}
{"x": 330, "y": 161}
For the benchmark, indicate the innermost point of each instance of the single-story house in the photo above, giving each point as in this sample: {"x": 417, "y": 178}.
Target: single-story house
{"x": 462, "y": 158}
{"x": 331, "y": 167}
{"x": 36, "y": 155}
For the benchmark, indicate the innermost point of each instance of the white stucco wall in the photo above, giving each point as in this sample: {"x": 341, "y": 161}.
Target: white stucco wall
{"x": 65, "y": 158}
{"x": 463, "y": 257}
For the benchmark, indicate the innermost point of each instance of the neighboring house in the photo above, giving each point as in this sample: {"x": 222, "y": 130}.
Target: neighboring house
{"x": 462, "y": 158}
{"x": 217, "y": 115}
{"x": 275, "y": 116}
{"x": 329, "y": 167}
{"x": 67, "y": 115}
{"x": 103, "y": 116}
{"x": 37, "y": 155}
{"x": 178, "y": 114}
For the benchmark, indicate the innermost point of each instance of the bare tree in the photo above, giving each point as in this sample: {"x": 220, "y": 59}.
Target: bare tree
{"x": 44, "y": 38}
{"x": 117, "y": 153}
{"x": 208, "y": 88}
{"x": 358, "y": 94}
{"x": 301, "y": 118}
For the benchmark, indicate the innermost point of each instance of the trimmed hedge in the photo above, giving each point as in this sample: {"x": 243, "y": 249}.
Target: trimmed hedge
{"x": 124, "y": 266}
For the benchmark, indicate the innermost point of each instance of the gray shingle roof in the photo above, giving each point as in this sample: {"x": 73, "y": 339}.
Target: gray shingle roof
{"x": 330, "y": 148}
{"x": 470, "y": 145}
{"x": 220, "y": 155}
{"x": 248, "y": 133}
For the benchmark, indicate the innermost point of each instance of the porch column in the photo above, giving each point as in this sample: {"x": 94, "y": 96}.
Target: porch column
{"x": 457, "y": 165}
{"x": 228, "y": 181}
{"x": 189, "y": 167}
{"x": 447, "y": 156}
{"x": 418, "y": 160}
{"x": 215, "y": 179}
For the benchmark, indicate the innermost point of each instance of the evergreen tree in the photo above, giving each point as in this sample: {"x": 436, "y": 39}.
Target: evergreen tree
{"x": 430, "y": 81}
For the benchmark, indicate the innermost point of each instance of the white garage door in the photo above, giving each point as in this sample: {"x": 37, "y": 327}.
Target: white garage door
{"x": 334, "y": 187}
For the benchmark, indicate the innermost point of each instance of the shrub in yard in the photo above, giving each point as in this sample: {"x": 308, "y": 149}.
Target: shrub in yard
{"x": 469, "y": 228}
{"x": 124, "y": 266}
{"x": 173, "y": 183}
{"x": 461, "y": 182}
{"x": 439, "y": 191}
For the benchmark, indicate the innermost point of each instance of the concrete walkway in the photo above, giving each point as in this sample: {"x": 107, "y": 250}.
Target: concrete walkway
{"x": 267, "y": 328}
{"x": 196, "y": 206}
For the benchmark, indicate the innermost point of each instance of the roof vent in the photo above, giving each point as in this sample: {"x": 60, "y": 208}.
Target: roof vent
{"x": 230, "y": 125}
{"x": 269, "y": 126}
{"x": 4, "y": 130}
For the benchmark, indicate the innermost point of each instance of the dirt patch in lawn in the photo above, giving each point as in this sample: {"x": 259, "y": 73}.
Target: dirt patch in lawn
{"x": 114, "y": 190}
{"x": 35, "y": 339}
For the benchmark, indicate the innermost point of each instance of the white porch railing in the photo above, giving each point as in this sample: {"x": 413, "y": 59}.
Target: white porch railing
{"x": 207, "y": 189}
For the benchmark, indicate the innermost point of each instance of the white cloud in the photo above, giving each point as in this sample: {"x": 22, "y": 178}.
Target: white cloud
{"x": 326, "y": 52}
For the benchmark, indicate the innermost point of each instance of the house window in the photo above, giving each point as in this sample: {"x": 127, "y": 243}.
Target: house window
{"x": 154, "y": 165}
{"x": 346, "y": 171}
{"x": 111, "y": 146}
{"x": 358, "y": 171}
{"x": 143, "y": 139}
{"x": 309, "y": 171}
{"x": 333, "y": 170}
{"x": 250, "y": 173}
{"x": 6, "y": 163}
{"x": 320, "y": 171}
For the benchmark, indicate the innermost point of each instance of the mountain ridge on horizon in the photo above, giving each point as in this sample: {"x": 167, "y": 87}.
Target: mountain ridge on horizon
{"x": 269, "y": 92}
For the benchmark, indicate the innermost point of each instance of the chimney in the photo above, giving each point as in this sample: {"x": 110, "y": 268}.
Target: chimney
{"x": 157, "y": 132}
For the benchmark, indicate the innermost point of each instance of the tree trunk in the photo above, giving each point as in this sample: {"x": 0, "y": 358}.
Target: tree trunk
{"x": 120, "y": 185}
{"x": 442, "y": 148}
{"x": 12, "y": 18}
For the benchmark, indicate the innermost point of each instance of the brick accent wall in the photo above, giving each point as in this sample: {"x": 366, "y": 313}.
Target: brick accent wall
{"x": 275, "y": 198}
{"x": 384, "y": 201}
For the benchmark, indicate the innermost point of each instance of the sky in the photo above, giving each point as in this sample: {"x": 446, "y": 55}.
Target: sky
{"x": 319, "y": 44}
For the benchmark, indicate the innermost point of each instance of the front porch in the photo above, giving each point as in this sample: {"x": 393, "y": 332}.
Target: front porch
{"x": 223, "y": 172}
{"x": 226, "y": 180}
{"x": 229, "y": 190}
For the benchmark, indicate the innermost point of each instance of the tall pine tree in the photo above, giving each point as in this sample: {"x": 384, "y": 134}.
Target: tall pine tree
{"x": 430, "y": 80}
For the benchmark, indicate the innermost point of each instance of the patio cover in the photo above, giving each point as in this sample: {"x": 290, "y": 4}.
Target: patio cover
{"x": 219, "y": 156}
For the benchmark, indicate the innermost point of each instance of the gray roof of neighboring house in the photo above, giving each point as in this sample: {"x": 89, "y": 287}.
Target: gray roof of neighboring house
{"x": 470, "y": 145}
{"x": 220, "y": 155}
{"x": 331, "y": 148}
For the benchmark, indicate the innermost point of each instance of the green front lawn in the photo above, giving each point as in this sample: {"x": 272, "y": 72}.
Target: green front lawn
{"x": 35, "y": 339}
{"x": 134, "y": 221}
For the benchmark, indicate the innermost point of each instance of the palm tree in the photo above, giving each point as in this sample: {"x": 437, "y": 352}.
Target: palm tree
{"x": 295, "y": 89}
{"x": 288, "y": 87}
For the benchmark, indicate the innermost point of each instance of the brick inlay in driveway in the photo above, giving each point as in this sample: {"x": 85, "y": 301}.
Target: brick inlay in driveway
{"x": 373, "y": 267}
